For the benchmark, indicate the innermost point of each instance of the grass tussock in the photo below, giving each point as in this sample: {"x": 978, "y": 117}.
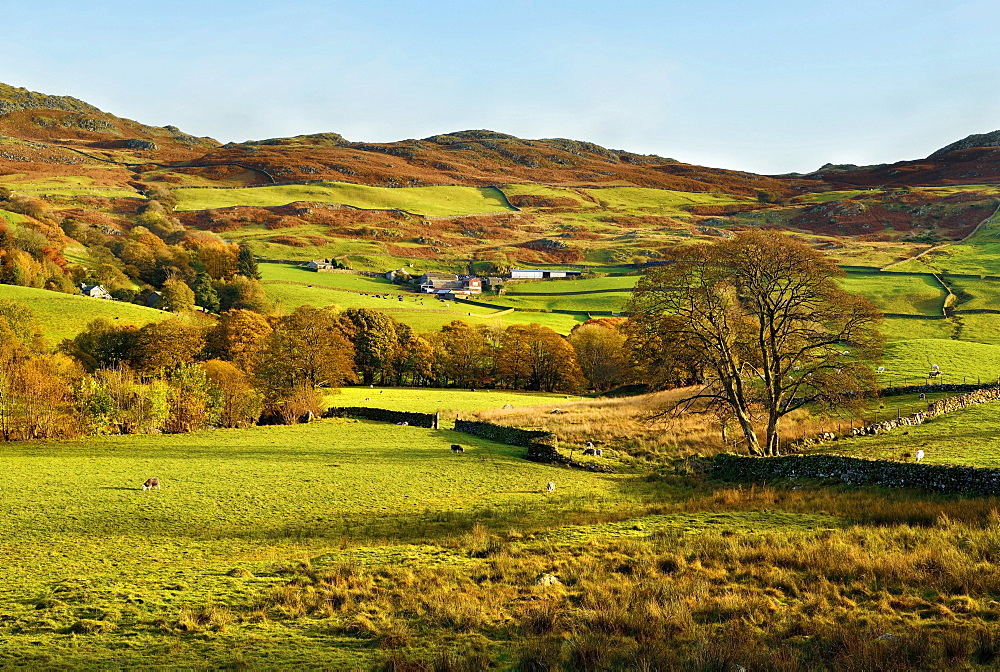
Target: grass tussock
{"x": 878, "y": 596}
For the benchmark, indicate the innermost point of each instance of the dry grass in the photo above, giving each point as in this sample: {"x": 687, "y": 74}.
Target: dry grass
{"x": 643, "y": 426}
{"x": 859, "y": 597}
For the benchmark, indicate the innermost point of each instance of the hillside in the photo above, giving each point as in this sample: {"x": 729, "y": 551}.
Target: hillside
{"x": 66, "y": 315}
{"x": 99, "y": 198}
{"x": 972, "y": 160}
{"x": 478, "y": 157}
{"x": 43, "y": 135}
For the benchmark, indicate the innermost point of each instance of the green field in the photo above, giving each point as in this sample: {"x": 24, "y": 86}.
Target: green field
{"x": 970, "y": 436}
{"x": 975, "y": 293}
{"x": 289, "y": 285}
{"x": 547, "y": 192}
{"x": 431, "y": 400}
{"x": 906, "y": 294}
{"x": 656, "y": 201}
{"x": 83, "y": 548}
{"x": 430, "y": 201}
{"x": 624, "y": 282}
{"x": 12, "y": 217}
{"x": 613, "y": 301}
{"x": 909, "y": 361}
{"x": 65, "y": 315}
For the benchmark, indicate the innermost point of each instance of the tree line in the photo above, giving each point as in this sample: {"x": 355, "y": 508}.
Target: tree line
{"x": 246, "y": 368}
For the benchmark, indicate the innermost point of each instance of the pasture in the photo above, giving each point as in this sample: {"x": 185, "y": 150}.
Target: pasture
{"x": 970, "y": 437}
{"x": 65, "y": 315}
{"x": 422, "y": 312}
{"x": 657, "y": 201}
{"x": 97, "y": 570}
{"x": 908, "y": 361}
{"x": 898, "y": 293}
{"x": 430, "y": 400}
{"x": 436, "y": 201}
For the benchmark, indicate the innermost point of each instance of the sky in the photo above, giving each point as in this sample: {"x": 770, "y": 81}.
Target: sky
{"x": 769, "y": 86}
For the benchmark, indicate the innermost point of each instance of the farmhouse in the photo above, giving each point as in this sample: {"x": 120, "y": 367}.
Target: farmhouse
{"x": 542, "y": 274}
{"x": 322, "y": 265}
{"x": 449, "y": 283}
{"x": 95, "y": 291}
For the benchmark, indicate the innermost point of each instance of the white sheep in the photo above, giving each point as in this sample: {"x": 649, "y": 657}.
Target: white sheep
{"x": 920, "y": 455}
{"x": 550, "y": 487}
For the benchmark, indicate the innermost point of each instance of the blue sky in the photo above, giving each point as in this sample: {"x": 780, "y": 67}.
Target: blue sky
{"x": 769, "y": 86}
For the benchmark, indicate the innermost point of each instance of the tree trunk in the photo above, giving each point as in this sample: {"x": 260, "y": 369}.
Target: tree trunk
{"x": 753, "y": 444}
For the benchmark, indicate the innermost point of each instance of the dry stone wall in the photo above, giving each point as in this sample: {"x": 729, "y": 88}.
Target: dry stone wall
{"x": 978, "y": 395}
{"x": 855, "y": 471}
{"x": 427, "y": 420}
{"x": 542, "y": 446}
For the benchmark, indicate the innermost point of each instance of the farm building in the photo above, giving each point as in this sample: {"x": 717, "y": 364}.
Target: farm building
{"x": 96, "y": 291}
{"x": 542, "y": 274}
{"x": 438, "y": 283}
{"x": 322, "y": 265}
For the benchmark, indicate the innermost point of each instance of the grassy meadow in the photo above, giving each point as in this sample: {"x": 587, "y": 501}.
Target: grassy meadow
{"x": 436, "y": 201}
{"x": 355, "y": 545}
{"x": 292, "y": 286}
{"x": 65, "y": 315}
{"x": 965, "y": 437}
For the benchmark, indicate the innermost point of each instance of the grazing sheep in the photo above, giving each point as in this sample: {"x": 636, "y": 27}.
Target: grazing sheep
{"x": 151, "y": 483}
{"x": 368, "y": 398}
{"x": 550, "y": 487}
{"x": 455, "y": 448}
{"x": 920, "y": 455}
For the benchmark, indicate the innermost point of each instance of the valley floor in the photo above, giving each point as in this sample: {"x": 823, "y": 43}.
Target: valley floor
{"x": 353, "y": 544}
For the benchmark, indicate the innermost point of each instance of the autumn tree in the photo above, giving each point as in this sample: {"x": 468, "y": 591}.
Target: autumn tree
{"x": 103, "y": 344}
{"x": 205, "y": 294}
{"x": 462, "y": 356}
{"x": 764, "y": 317}
{"x": 165, "y": 346}
{"x": 239, "y": 403}
{"x": 378, "y": 344}
{"x": 307, "y": 348}
{"x": 177, "y": 296}
{"x": 601, "y": 352}
{"x": 242, "y": 293}
{"x": 239, "y": 337}
{"x": 193, "y": 401}
{"x": 22, "y": 324}
{"x": 534, "y": 357}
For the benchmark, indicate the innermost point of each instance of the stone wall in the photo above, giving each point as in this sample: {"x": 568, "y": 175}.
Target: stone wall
{"x": 978, "y": 395}
{"x": 542, "y": 446}
{"x": 427, "y": 420}
{"x": 855, "y": 471}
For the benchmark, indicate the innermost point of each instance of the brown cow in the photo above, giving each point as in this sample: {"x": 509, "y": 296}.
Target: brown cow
{"x": 151, "y": 483}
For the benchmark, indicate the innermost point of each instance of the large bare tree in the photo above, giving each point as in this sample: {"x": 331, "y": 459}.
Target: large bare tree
{"x": 763, "y": 323}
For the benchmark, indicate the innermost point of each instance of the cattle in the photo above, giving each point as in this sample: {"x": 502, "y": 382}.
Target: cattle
{"x": 550, "y": 487}
{"x": 598, "y": 452}
{"x": 455, "y": 448}
{"x": 151, "y": 483}
{"x": 590, "y": 451}
{"x": 590, "y": 445}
